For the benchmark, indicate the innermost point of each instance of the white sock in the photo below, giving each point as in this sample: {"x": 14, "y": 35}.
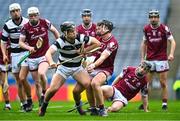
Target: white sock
{"x": 8, "y": 105}
{"x": 164, "y": 103}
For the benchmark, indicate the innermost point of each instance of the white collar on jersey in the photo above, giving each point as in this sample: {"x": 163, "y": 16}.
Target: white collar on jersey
{"x": 87, "y": 27}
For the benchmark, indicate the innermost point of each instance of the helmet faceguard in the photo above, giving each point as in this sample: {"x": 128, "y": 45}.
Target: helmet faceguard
{"x": 33, "y": 10}
{"x": 146, "y": 65}
{"x": 143, "y": 68}
{"x": 106, "y": 25}
{"x": 33, "y": 14}
{"x": 66, "y": 26}
{"x": 153, "y": 13}
{"x": 86, "y": 12}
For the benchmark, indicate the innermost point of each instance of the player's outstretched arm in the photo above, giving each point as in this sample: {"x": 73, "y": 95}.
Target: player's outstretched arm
{"x": 116, "y": 79}
{"x": 172, "y": 50}
{"x": 49, "y": 58}
{"x": 55, "y": 32}
{"x": 94, "y": 43}
{"x": 145, "y": 103}
{"x": 143, "y": 50}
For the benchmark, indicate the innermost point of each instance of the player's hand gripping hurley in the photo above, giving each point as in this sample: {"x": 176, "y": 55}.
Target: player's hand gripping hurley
{"x": 39, "y": 44}
{"x": 80, "y": 56}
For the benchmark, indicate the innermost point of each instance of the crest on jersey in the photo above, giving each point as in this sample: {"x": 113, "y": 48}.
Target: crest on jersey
{"x": 154, "y": 32}
{"x": 93, "y": 34}
{"x": 159, "y": 34}
{"x": 43, "y": 29}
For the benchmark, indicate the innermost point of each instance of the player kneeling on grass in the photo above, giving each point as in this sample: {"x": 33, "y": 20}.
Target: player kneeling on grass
{"x": 69, "y": 46}
{"x": 126, "y": 86}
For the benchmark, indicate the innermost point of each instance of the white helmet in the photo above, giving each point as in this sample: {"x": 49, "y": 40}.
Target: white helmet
{"x": 33, "y": 10}
{"x": 14, "y": 6}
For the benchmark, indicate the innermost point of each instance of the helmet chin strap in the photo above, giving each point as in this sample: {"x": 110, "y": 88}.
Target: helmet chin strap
{"x": 105, "y": 33}
{"x": 65, "y": 33}
{"x": 138, "y": 74}
{"x": 105, "y": 30}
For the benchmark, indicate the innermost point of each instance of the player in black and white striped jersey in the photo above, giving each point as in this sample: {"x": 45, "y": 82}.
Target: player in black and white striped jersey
{"x": 11, "y": 30}
{"x": 69, "y": 46}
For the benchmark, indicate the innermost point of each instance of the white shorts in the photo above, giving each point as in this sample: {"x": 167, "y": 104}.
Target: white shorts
{"x": 159, "y": 66}
{"x": 119, "y": 97}
{"x": 68, "y": 71}
{"x": 15, "y": 60}
{"x": 33, "y": 63}
{"x": 4, "y": 69}
{"x": 96, "y": 71}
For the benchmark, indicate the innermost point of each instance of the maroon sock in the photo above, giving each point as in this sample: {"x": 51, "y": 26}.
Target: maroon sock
{"x": 164, "y": 100}
{"x": 101, "y": 106}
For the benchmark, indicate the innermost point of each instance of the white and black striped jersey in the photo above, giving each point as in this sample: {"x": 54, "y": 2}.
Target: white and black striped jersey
{"x": 12, "y": 31}
{"x": 68, "y": 50}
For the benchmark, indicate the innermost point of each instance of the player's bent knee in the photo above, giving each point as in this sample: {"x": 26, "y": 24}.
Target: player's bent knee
{"x": 94, "y": 84}
{"x": 22, "y": 79}
{"x": 42, "y": 74}
{"x": 75, "y": 91}
{"x": 19, "y": 85}
{"x": 86, "y": 85}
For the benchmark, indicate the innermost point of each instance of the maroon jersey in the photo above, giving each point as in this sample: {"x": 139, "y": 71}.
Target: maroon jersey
{"x": 129, "y": 85}
{"x": 1, "y": 55}
{"x": 156, "y": 39}
{"x": 111, "y": 46}
{"x": 91, "y": 31}
{"x": 32, "y": 34}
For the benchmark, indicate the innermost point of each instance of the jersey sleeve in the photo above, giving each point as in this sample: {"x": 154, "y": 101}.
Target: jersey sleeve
{"x": 56, "y": 45}
{"x": 123, "y": 72}
{"x": 112, "y": 46}
{"x": 144, "y": 35}
{"x": 86, "y": 39}
{"x": 5, "y": 34}
{"x": 168, "y": 33}
{"x": 48, "y": 23}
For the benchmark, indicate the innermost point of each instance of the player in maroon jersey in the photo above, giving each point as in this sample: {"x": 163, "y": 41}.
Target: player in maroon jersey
{"x": 87, "y": 27}
{"x": 126, "y": 86}
{"x": 102, "y": 64}
{"x": 30, "y": 33}
{"x": 154, "y": 49}
{"x": 3, "y": 71}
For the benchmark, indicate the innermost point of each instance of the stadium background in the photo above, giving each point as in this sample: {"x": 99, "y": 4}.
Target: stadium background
{"x": 128, "y": 16}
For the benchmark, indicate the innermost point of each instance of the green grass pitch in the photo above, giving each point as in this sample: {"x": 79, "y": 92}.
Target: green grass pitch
{"x": 57, "y": 111}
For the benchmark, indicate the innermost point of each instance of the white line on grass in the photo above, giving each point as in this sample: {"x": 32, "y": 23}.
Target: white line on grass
{"x": 50, "y": 107}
